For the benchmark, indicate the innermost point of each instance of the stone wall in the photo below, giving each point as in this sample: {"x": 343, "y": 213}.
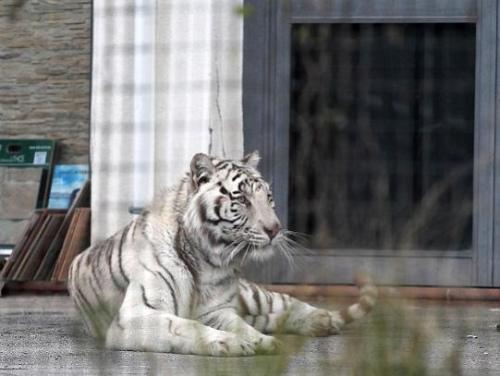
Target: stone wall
{"x": 45, "y": 48}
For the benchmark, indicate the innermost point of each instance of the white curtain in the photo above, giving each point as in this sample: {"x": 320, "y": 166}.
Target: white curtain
{"x": 166, "y": 83}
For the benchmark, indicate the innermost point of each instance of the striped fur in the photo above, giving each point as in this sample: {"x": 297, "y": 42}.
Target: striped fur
{"x": 169, "y": 281}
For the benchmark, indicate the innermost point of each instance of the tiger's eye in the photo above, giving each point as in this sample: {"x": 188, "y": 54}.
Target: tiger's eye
{"x": 243, "y": 200}
{"x": 203, "y": 179}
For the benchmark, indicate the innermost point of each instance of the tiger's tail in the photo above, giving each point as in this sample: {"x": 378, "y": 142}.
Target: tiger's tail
{"x": 366, "y": 302}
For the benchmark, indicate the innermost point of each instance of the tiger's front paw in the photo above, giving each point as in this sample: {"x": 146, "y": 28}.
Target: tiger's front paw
{"x": 231, "y": 346}
{"x": 267, "y": 345}
{"x": 320, "y": 323}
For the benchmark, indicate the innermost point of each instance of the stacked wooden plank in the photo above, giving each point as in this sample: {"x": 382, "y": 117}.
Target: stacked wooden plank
{"x": 51, "y": 240}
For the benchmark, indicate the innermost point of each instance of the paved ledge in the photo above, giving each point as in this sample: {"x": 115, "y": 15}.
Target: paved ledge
{"x": 310, "y": 291}
{"x": 432, "y": 293}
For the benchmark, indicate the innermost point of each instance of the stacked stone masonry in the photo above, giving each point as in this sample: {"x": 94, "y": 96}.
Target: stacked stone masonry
{"x": 45, "y": 55}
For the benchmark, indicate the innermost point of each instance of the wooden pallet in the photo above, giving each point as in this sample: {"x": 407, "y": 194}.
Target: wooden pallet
{"x": 32, "y": 287}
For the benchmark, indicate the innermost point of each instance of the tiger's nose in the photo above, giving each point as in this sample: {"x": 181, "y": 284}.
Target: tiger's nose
{"x": 273, "y": 230}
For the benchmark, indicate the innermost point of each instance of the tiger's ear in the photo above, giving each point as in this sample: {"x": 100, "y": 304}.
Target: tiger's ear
{"x": 252, "y": 159}
{"x": 202, "y": 169}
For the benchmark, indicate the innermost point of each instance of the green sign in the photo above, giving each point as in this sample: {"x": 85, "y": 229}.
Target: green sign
{"x": 27, "y": 153}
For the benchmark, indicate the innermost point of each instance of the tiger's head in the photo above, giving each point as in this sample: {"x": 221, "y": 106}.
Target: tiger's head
{"x": 232, "y": 210}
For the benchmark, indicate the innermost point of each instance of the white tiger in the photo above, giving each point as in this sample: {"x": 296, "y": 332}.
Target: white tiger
{"x": 169, "y": 281}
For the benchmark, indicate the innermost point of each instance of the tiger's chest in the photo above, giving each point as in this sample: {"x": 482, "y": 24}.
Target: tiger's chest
{"x": 217, "y": 290}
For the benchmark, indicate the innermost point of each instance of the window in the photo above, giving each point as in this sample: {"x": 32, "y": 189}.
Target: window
{"x": 382, "y": 135}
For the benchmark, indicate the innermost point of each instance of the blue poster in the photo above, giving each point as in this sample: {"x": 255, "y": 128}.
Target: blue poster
{"x": 67, "y": 180}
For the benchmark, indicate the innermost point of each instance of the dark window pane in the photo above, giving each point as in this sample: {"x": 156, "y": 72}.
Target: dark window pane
{"x": 382, "y": 135}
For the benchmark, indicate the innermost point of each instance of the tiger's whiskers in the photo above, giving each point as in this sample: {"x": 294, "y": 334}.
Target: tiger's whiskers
{"x": 286, "y": 247}
{"x": 237, "y": 246}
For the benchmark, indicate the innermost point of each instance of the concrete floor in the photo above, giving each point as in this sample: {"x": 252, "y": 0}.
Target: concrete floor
{"x": 43, "y": 335}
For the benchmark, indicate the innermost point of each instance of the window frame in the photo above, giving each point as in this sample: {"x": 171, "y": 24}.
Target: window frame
{"x": 266, "y": 80}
